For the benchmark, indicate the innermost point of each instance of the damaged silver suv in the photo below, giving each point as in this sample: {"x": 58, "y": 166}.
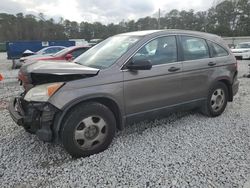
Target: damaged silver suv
{"x": 124, "y": 79}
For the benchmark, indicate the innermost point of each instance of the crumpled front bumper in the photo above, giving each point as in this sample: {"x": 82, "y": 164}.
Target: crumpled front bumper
{"x": 16, "y": 112}
{"x": 35, "y": 117}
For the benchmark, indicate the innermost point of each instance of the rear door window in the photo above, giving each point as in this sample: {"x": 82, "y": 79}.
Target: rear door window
{"x": 194, "y": 48}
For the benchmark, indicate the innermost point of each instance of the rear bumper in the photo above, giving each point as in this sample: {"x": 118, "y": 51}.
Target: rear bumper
{"x": 35, "y": 117}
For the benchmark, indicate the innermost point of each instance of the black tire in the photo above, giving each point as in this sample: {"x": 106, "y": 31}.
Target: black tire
{"x": 29, "y": 130}
{"x": 75, "y": 121}
{"x": 208, "y": 107}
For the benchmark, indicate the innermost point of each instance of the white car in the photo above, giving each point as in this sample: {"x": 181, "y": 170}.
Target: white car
{"x": 242, "y": 50}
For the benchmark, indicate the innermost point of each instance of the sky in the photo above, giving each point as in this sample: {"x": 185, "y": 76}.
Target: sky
{"x": 104, "y": 11}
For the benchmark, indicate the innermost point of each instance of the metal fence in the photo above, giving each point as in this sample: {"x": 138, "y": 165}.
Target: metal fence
{"x": 232, "y": 41}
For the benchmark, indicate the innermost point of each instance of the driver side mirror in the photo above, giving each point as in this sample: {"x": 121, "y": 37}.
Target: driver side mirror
{"x": 69, "y": 57}
{"x": 139, "y": 65}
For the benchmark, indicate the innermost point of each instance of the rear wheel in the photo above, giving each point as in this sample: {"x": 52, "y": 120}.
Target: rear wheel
{"x": 88, "y": 129}
{"x": 216, "y": 100}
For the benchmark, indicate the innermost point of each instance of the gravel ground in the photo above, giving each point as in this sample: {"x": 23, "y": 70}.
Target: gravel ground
{"x": 182, "y": 150}
{"x": 9, "y": 86}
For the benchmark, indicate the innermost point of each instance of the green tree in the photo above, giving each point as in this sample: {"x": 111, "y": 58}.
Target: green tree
{"x": 228, "y": 18}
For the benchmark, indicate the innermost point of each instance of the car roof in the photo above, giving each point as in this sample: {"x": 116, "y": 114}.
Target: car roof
{"x": 48, "y": 47}
{"x": 140, "y": 33}
{"x": 156, "y": 33}
{"x": 173, "y": 31}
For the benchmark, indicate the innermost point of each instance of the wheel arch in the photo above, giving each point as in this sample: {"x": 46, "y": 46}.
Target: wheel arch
{"x": 107, "y": 101}
{"x": 228, "y": 84}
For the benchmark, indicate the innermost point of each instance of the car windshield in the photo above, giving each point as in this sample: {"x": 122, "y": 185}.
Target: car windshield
{"x": 40, "y": 51}
{"x": 107, "y": 52}
{"x": 243, "y": 45}
{"x": 61, "y": 52}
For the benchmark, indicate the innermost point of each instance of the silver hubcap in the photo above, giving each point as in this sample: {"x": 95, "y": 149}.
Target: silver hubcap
{"x": 217, "y": 100}
{"x": 90, "y": 132}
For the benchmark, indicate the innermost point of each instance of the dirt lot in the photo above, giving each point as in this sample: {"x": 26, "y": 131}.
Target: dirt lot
{"x": 182, "y": 150}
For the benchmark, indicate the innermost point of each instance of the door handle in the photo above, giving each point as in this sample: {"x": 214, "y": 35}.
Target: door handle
{"x": 173, "y": 69}
{"x": 211, "y": 63}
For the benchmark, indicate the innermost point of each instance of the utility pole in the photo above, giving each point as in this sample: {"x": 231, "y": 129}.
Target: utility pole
{"x": 159, "y": 18}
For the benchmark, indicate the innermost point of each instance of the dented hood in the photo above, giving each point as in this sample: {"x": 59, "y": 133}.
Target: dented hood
{"x": 47, "y": 72}
{"x": 58, "y": 68}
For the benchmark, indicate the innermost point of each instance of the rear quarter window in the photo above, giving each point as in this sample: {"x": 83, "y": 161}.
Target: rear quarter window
{"x": 217, "y": 50}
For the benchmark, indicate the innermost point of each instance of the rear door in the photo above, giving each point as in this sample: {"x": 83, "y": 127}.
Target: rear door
{"x": 148, "y": 90}
{"x": 197, "y": 67}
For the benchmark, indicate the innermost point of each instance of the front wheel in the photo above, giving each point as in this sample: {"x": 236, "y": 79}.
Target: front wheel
{"x": 216, "y": 100}
{"x": 88, "y": 129}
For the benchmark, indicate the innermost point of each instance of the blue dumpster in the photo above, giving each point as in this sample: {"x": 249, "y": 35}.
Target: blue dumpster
{"x": 16, "y": 48}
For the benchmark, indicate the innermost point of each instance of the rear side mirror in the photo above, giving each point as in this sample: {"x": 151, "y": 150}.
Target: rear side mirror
{"x": 69, "y": 57}
{"x": 140, "y": 65}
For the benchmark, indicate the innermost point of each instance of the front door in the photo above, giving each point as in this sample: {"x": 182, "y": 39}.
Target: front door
{"x": 155, "y": 89}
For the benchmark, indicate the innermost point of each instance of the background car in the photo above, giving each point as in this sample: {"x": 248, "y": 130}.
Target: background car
{"x": 50, "y": 50}
{"x": 27, "y": 54}
{"x": 242, "y": 50}
{"x": 66, "y": 54}
{"x": 45, "y": 51}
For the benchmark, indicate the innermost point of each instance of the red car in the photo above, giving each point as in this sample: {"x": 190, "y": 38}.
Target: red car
{"x": 67, "y": 54}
